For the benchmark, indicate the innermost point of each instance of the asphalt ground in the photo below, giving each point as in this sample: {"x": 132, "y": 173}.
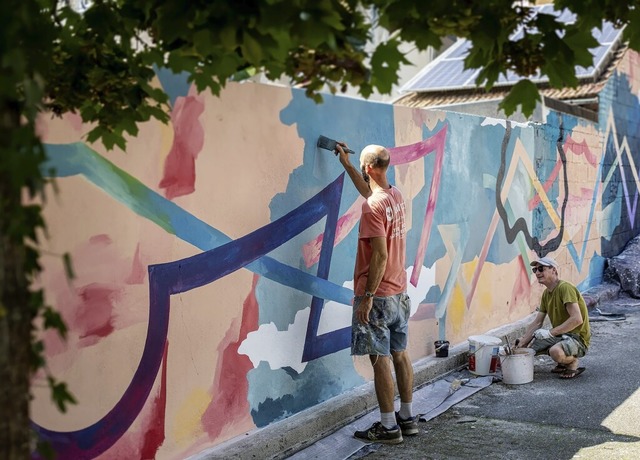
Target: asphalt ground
{"x": 593, "y": 416}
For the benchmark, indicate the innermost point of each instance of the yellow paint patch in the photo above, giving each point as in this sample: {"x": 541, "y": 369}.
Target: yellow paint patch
{"x": 457, "y": 310}
{"x": 187, "y": 425}
{"x": 484, "y": 301}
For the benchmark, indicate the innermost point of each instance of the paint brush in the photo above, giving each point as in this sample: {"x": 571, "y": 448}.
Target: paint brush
{"x": 329, "y": 144}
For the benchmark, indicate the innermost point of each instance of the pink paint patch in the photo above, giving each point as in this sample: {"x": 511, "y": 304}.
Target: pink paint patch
{"x": 581, "y": 149}
{"x": 53, "y": 343}
{"x": 311, "y": 250}
{"x": 180, "y": 165}
{"x": 424, "y": 311}
{"x": 100, "y": 240}
{"x": 407, "y": 154}
{"x": 230, "y": 387}
{"x": 483, "y": 257}
{"x": 75, "y": 120}
{"x": 42, "y": 126}
{"x": 94, "y": 316}
{"x": 138, "y": 272}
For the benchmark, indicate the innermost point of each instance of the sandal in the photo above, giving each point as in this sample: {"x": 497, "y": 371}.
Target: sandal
{"x": 559, "y": 369}
{"x": 572, "y": 373}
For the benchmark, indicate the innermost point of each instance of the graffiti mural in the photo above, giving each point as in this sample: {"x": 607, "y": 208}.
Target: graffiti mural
{"x": 215, "y": 257}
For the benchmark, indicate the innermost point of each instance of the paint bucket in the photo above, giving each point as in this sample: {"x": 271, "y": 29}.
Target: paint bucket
{"x": 517, "y": 368}
{"x": 442, "y": 348}
{"x": 483, "y": 354}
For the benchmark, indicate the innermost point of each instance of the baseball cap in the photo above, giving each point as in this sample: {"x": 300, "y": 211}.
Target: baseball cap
{"x": 546, "y": 261}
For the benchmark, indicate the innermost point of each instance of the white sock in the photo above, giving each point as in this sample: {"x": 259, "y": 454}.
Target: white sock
{"x": 388, "y": 419}
{"x": 405, "y": 410}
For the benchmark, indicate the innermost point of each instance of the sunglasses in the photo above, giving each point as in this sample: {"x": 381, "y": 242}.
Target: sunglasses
{"x": 539, "y": 268}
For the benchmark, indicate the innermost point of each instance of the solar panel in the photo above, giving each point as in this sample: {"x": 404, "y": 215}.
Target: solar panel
{"x": 446, "y": 72}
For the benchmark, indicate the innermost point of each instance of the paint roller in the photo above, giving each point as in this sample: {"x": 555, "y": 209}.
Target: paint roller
{"x": 329, "y": 144}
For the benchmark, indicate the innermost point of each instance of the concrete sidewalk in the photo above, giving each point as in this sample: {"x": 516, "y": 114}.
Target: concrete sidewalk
{"x": 501, "y": 416}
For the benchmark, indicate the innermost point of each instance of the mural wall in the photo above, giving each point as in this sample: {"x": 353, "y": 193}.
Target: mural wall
{"x": 214, "y": 258}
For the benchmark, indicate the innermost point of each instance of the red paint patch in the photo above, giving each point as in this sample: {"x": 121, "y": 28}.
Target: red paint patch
{"x": 180, "y": 165}
{"x": 522, "y": 287}
{"x": 153, "y": 424}
{"x": 147, "y": 434}
{"x": 230, "y": 387}
{"x": 100, "y": 240}
{"x": 138, "y": 272}
{"x": 94, "y": 316}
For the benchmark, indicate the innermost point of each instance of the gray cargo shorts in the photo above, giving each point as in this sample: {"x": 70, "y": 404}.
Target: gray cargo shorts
{"x": 387, "y": 329}
{"x": 571, "y": 344}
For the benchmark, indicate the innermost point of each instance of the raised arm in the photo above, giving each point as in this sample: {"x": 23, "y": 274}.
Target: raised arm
{"x": 356, "y": 176}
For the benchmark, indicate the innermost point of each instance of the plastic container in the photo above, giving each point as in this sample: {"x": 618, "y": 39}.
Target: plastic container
{"x": 517, "y": 368}
{"x": 483, "y": 354}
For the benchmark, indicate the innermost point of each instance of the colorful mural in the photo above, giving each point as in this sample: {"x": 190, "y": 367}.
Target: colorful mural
{"x": 215, "y": 257}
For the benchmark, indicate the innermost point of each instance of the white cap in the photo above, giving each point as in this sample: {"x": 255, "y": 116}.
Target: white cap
{"x": 545, "y": 261}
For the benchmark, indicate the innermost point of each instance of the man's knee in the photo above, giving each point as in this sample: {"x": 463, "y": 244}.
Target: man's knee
{"x": 400, "y": 358}
{"x": 380, "y": 361}
{"x": 558, "y": 353}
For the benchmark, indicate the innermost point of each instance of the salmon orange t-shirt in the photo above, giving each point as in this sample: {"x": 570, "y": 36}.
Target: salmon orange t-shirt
{"x": 383, "y": 215}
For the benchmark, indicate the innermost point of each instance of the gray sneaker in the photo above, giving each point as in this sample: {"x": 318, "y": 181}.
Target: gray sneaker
{"x": 409, "y": 426}
{"x": 378, "y": 433}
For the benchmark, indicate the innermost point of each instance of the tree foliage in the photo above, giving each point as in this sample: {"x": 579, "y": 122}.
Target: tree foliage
{"x": 103, "y": 60}
{"x": 100, "y": 61}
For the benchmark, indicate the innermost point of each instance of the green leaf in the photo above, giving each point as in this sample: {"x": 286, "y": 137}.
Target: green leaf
{"x": 385, "y": 64}
{"x": 53, "y": 320}
{"x": 60, "y": 394}
{"x": 524, "y": 94}
{"x": 45, "y": 450}
{"x": 632, "y": 34}
{"x": 37, "y": 355}
{"x": 488, "y": 75}
{"x": 580, "y": 41}
{"x": 95, "y": 134}
{"x": 228, "y": 37}
{"x": 251, "y": 48}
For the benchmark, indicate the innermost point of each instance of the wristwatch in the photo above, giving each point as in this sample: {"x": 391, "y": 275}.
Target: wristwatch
{"x": 368, "y": 294}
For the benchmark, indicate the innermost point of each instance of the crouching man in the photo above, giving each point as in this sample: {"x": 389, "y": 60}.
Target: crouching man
{"x": 569, "y": 336}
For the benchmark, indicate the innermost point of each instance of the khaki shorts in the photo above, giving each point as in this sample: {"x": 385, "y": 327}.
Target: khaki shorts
{"x": 571, "y": 344}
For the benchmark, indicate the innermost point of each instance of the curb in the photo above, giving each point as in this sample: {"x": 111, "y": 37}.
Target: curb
{"x": 284, "y": 438}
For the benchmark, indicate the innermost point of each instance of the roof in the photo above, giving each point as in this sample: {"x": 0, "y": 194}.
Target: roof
{"x": 586, "y": 89}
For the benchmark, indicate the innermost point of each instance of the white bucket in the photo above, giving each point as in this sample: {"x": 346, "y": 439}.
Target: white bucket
{"x": 483, "y": 354}
{"x": 517, "y": 368}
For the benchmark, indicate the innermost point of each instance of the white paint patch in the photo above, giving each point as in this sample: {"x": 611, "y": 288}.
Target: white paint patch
{"x": 336, "y": 315}
{"x": 278, "y": 348}
{"x": 488, "y": 121}
{"x": 425, "y": 281}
